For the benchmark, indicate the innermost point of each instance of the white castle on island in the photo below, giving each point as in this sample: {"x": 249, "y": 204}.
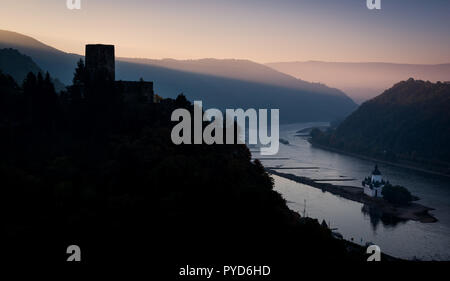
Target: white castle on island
{"x": 373, "y": 186}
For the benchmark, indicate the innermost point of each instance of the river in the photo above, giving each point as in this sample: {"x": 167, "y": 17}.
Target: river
{"x": 409, "y": 240}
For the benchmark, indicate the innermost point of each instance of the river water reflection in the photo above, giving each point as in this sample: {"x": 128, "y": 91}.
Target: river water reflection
{"x": 426, "y": 241}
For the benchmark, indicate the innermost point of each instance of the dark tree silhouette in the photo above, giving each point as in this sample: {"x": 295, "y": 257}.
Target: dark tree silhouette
{"x": 93, "y": 170}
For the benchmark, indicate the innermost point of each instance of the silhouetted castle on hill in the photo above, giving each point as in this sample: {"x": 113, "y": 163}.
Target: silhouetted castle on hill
{"x": 100, "y": 64}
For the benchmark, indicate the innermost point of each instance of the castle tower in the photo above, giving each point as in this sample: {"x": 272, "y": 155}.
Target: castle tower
{"x": 376, "y": 175}
{"x": 100, "y": 61}
{"x": 373, "y": 186}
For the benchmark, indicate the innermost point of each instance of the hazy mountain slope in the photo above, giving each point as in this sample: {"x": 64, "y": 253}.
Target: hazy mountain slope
{"x": 239, "y": 69}
{"x": 17, "y": 65}
{"x": 219, "y": 83}
{"x": 409, "y": 121}
{"x": 362, "y": 81}
{"x": 240, "y": 83}
{"x": 214, "y": 91}
{"x": 59, "y": 64}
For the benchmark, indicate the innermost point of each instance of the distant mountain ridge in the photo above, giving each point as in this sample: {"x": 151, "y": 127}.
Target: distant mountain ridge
{"x": 408, "y": 122}
{"x": 245, "y": 70}
{"x": 218, "y": 83}
{"x": 222, "y": 93}
{"x": 365, "y": 80}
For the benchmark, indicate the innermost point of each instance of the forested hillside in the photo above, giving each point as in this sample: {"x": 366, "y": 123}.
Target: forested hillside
{"x": 409, "y": 122}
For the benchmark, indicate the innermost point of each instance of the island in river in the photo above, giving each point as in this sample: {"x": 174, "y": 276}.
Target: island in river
{"x": 413, "y": 211}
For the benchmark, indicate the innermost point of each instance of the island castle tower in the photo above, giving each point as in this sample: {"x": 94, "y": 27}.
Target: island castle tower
{"x": 373, "y": 186}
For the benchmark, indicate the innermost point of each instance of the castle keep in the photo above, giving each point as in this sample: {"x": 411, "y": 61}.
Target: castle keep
{"x": 100, "y": 61}
{"x": 100, "y": 64}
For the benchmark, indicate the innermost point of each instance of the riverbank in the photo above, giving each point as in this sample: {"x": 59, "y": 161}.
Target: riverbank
{"x": 414, "y": 211}
{"x": 396, "y": 164}
{"x": 352, "y": 248}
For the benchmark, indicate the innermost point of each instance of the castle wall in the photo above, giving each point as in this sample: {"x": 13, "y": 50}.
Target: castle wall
{"x": 136, "y": 91}
{"x": 377, "y": 178}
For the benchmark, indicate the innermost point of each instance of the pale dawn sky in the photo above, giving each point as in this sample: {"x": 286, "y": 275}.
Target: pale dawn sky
{"x": 403, "y": 31}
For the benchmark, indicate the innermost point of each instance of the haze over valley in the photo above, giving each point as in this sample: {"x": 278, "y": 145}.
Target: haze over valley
{"x": 365, "y": 80}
